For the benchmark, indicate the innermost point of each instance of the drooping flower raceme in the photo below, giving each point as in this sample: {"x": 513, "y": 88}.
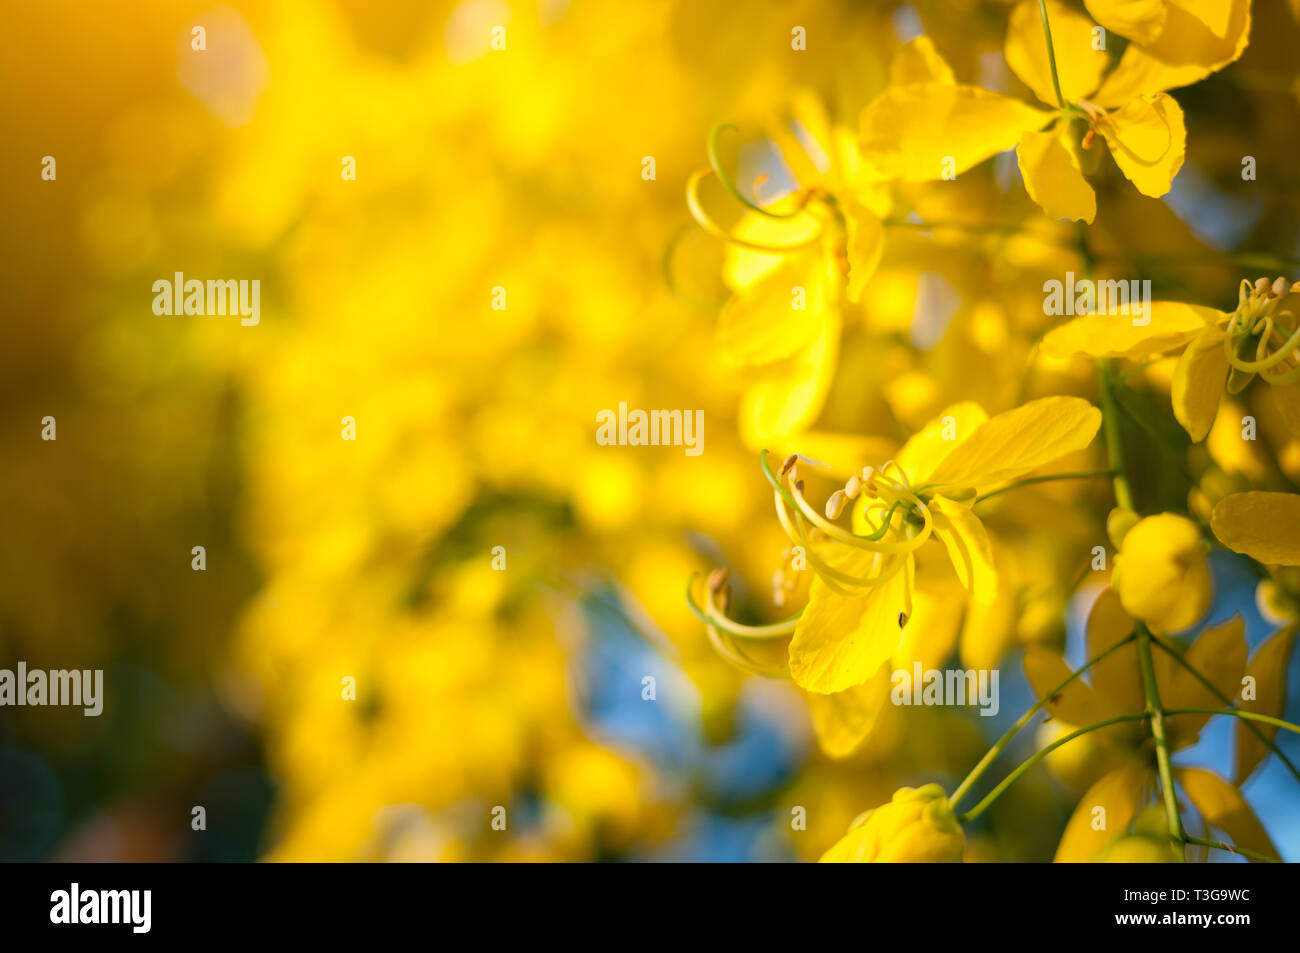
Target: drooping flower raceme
{"x": 1114, "y": 689}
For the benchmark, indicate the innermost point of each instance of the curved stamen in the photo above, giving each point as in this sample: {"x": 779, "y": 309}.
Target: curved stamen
{"x": 1262, "y": 363}
{"x": 883, "y": 528}
{"x": 834, "y": 577}
{"x": 727, "y": 647}
{"x": 714, "y": 616}
{"x": 714, "y": 135}
{"x": 836, "y": 533}
{"x": 707, "y": 223}
{"x": 1283, "y": 379}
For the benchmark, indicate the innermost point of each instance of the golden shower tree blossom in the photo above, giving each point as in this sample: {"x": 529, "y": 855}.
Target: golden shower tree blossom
{"x": 1222, "y": 352}
{"x": 927, "y": 131}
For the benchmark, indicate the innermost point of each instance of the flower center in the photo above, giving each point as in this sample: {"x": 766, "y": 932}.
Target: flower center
{"x": 1263, "y": 335}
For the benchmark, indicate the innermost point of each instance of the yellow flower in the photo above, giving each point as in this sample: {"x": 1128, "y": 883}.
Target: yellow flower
{"x": 809, "y": 237}
{"x": 809, "y": 234}
{"x": 1222, "y": 351}
{"x": 926, "y": 131}
{"x": 870, "y": 582}
{"x": 862, "y": 596}
{"x": 916, "y": 826}
{"x": 1162, "y": 574}
{"x": 1113, "y": 687}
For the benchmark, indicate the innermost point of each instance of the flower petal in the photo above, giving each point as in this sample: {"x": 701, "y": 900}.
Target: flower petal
{"x": 781, "y": 399}
{"x": 1148, "y": 141}
{"x": 1198, "y": 383}
{"x": 842, "y": 641}
{"x": 843, "y": 720}
{"x": 1219, "y": 655}
{"x": 1139, "y": 20}
{"x": 1268, "y": 667}
{"x": 989, "y": 630}
{"x": 928, "y": 446}
{"x": 1117, "y": 676}
{"x": 1286, "y": 398}
{"x": 1053, "y": 178}
{"x": 1223, "y": 807}
{"x": 1120, "y": 795}
{"x": 917, "y": 61}
{"x": 938, "y": 603}
{"x": 1076, "y": 704}
{"x": 967, "y": 542}
{"x": 918, "y": 133}
{"x": 1172, "y": 325}
{"x": 760, "y": 324}
{"x": 1078, "y": 65}
{"x": 1263, "y": 526}
{"x": 1199, "y": 37}
{"x": 866, "y": 241}
{"x": 1019, "y": 441}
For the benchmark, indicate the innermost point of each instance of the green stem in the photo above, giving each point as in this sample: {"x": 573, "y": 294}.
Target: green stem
{"x": 1157, "y": 714}
{"x": 1160, "y": 644}
{"x": 1038, "y": 756}
{"x": 1238, "y": 713}
{"x": 1114, "y": 439}
{"x": 1051, "y": 53}
{"x": 1220, "y": 845}
{"x": 979, "y": 229}
{"x": 1083, "y": 475}
{"x": 1011, "y": 732}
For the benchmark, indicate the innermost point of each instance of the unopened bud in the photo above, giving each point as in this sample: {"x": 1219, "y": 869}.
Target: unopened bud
{"x": 1118, "y": 522}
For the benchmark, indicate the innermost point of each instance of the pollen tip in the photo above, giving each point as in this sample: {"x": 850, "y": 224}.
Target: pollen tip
{"x": 789, "y": 463}
{"x": 718, "y": 580}
{"x": 853, "y": 486}
{"x": 1281, "y": 287}
{"x": 835, "y": 505}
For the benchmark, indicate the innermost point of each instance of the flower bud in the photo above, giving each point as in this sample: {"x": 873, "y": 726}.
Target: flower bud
{"x": 1162, "y": 574}
{"x": 1118, "y": 522}
{"x": 917, "y": 826}
{"x": 1141, "y": 849}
